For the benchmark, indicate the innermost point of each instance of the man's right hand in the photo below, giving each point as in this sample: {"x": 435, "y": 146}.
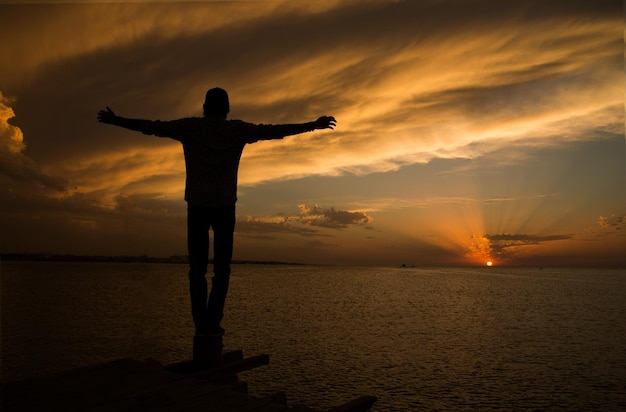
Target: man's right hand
{"x": 106, "y": 116}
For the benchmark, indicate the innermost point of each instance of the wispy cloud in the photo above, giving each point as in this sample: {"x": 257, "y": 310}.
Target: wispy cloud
{"x": 408, "y": 81}
{"x": 159, "y": 169}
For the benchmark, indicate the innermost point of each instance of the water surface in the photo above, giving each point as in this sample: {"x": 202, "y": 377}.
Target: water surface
{"x": 417, "y": 338}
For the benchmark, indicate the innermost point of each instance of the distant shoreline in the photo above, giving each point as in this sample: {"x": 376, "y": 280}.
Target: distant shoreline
{"x": 184, "y": 259}
{"x": 180, "y": 259}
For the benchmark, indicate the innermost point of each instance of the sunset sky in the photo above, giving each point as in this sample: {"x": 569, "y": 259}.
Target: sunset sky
{"x": 467, "y": 130}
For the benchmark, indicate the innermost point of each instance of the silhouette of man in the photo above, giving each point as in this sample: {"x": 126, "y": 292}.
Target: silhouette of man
{"x": 212, "y": 147}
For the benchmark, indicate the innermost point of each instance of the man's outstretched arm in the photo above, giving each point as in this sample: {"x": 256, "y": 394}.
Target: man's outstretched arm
{"x": 107, "y": 116}
{"x": 281, "y": 130}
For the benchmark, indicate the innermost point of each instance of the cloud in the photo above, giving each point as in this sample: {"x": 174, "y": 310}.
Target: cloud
{"x": 328, "y": 218}
{"x": 506, "y": 247}
{"x": 615, "y": 222}
{"x": 331, "y": 218}
{"x": 263, "y": 228}
{"x": 104, "y": 26}
{"x": 512, "y": 240}
{"x": 157, "y": 170}
{"x": 13, "y": 163}
{"x": 76, "y": 223}
{"x": 11, "y": 137}
{"x": 318, "y": 244}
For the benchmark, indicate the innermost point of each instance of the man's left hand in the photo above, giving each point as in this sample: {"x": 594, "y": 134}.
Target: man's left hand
{"x": 325, "y": 122}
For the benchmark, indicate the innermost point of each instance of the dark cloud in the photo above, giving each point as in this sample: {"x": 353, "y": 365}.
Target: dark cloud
{"x": 22, "y": 168}
{"x": 525, "y": 239}
{"x": 77, "y": 223}
{"x": 331, "y": 217}
{"x": 318, "y": 244}
{"x": 262, "y": 229}
{"x": 13, "y": 162}
{"x": 506, "y": 247}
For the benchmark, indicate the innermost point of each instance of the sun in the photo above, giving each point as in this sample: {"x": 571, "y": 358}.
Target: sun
{"x": 489, "y": 263}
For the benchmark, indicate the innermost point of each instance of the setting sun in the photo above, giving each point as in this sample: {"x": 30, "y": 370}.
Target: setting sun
{"x": 490, "y": 263}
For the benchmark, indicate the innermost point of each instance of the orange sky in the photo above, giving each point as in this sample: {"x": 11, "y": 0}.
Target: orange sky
{"x": 467, "y": 130}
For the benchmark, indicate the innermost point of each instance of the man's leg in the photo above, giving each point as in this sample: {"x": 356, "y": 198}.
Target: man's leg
{"x": 198, "y": 247}
{"x": 223, "y": 222}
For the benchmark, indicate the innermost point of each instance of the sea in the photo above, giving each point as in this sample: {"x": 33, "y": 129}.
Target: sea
{"x": 419, "y": 339}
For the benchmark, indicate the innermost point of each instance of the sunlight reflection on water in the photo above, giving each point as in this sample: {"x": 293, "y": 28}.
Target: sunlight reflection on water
{"x": 417, "y": 338}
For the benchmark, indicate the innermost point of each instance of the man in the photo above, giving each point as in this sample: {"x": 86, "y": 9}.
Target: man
{"x": 212, "y": 147}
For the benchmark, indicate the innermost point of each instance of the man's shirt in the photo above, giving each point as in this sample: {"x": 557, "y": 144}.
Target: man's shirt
{"x": 212, "y": 151}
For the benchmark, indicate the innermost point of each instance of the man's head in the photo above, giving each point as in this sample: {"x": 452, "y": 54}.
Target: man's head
{"x": 216, "y": 103}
